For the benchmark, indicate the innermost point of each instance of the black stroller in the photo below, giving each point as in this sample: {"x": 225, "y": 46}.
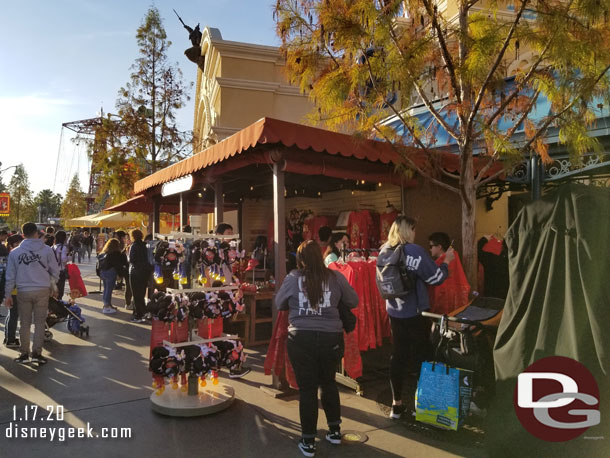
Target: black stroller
{"x": 60, "y": 311}
{"x": 465, "y": 339}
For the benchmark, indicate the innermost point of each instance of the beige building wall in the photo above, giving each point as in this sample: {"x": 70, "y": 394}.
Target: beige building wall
{"x": 241, "y": 83}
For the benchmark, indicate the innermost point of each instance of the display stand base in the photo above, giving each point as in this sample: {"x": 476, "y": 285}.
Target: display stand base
{"x": 209, "y": 400}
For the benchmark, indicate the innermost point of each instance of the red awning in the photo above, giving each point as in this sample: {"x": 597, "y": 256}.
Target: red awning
{"x": 303, "y": 138}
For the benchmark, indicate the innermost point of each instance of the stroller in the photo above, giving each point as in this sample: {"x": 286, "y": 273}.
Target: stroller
{"x": 465, "y": 339}
{"x": 60, "y": 311}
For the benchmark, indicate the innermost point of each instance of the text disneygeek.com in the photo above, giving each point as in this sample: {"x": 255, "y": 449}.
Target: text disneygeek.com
{"x": 61, "y": 433}
{"x": 21, "y": 426}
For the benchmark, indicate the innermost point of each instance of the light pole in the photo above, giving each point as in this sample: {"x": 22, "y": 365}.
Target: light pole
{"x": 9, "y": 167}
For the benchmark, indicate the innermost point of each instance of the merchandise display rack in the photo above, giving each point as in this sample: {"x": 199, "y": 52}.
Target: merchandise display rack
{"x": 197, "y": 401}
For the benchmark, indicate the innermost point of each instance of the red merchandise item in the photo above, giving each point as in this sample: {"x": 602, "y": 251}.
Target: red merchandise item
{"x": 277, "y": 361}
{"x": 352, "y": 362}
{"x": 493, "y": 246}
{"x": 320, "y": 221}
{"x": 453, "y": 292}
{"x": 209, "y": 329}
{"x": 345, "y": 269}
{"x": 360, "y": 229}
{"x": 76, "y": 280}
{"x": 158, "y": 333}
{"x": 385, "y": 222}
{"x": 179, "y": 332}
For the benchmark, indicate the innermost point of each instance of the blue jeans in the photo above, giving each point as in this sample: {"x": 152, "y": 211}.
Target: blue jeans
{"x": 10, "y": 324}
{"x": 109, "y": 279}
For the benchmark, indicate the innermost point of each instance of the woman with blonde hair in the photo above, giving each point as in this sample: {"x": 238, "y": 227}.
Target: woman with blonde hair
{"x": 112, "y": 262}
{"x": 409, "y": 328}
{"x": 311, "y": 294}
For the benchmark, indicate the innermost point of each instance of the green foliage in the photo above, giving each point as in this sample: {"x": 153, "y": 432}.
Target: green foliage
{"x": 352, "y": 55}
{"x": 363, "y": 62}
{"x": 143, "y": 137}
{"x": 49, "y": 204}
{"x": 74, "y": 204}
{"x": 22, "y": 209}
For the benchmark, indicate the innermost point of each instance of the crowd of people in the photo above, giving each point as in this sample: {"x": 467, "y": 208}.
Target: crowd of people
{"x": 312, "y": 294}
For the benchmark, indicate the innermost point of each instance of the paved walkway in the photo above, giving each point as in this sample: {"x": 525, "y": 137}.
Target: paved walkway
{"x": 102, "y": 381}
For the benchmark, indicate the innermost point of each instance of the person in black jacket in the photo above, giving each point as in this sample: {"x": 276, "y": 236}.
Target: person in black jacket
{"x": 139, "y": 271}
{"x": 112, "y": 262}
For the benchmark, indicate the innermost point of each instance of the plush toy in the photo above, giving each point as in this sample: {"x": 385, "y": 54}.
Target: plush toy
{"x": 231, "y": 353}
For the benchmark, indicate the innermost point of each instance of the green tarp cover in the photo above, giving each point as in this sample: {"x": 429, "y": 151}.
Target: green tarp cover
{"x": 558, "y": 304}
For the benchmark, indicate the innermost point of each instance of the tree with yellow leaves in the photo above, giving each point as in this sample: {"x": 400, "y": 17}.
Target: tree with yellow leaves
{"x": 482, "y": 70}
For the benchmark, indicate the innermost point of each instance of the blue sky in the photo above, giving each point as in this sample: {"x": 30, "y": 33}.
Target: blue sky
{"x": 61, "y": 60}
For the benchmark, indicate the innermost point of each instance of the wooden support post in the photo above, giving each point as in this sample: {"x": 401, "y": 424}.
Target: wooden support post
{"x": 218, "y": 202}
{"x": 403, "y": 198}
{"x": 279, "y": 226}
{"x": 184, "y": 214}
{"x": 156, "y": 215}
{"x": 279, "y": 386}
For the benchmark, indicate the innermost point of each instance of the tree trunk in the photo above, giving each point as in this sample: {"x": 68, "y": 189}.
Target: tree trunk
{"x": 469, "y": 197}
{"x": 469, "y": 249}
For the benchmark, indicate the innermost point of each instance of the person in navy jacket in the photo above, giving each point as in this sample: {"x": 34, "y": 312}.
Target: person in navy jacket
{"x": 410, "y": 330}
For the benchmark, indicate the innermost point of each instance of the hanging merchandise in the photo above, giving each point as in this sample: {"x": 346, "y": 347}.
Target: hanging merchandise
{"x": 167, "y": 255}
{"x": 362, "y": 230}
{"x": 277, "y": 361}
{"x": 385, "y": 222}
{"x": 373, "y": 322}
{"x": 453, "y": 292}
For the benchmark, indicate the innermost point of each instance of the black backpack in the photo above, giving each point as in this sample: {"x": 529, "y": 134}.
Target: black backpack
{"x": 101, "y": 263}
{"x": 393, "y": 278}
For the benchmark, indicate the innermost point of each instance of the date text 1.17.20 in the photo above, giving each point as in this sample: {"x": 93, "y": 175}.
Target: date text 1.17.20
{"x": 34, "y": 412}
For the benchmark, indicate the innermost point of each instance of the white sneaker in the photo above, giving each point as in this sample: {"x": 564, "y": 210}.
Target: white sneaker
{"x": 108, "y": 310}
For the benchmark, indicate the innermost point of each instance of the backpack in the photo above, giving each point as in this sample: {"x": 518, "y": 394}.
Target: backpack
{"x": 101, "y": 263}
{"x": 393, "y": 279}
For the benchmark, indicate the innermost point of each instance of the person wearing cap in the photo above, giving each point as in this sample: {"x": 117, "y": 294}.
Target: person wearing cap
{"x": 31, "y": 268}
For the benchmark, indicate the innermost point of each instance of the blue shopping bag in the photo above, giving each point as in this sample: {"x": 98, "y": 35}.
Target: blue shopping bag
{"x": 443, "y": 395}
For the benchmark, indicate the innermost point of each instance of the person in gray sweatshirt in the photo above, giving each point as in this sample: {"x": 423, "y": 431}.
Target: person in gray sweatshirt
{"x": 31, "y": 268}
{"x": 311, "y": 294}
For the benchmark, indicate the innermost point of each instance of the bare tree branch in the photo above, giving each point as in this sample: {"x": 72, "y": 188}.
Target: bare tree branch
{"x": 444, "y": 48}
{"x": 494, "y": 67}
{"x": 429, "y": 105}
{"x": 507, "y": 136}
{"x": 413, "y": 165}
{"x": 493, "y": 176}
